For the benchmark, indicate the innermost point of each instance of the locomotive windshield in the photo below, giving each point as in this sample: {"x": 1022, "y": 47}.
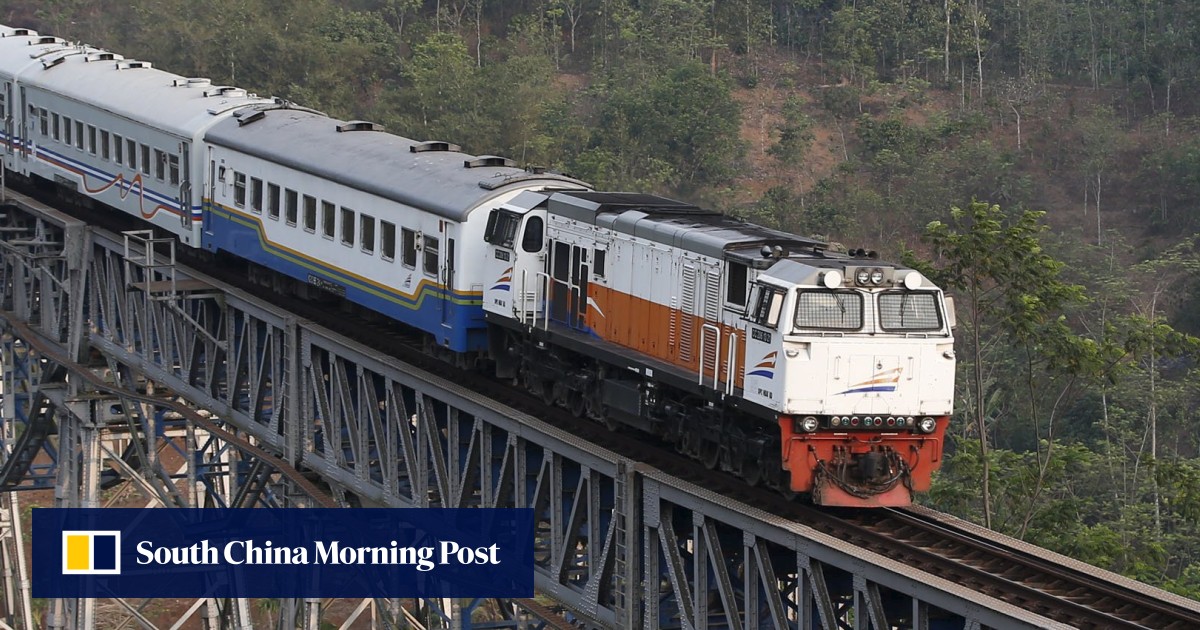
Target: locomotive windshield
{"x": 829, "y": 310}
{"x": 905, "y": 311}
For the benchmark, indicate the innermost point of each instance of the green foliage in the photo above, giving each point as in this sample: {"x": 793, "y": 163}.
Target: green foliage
{"x": 795, "y": 135}
{"x": 678, "y": 129}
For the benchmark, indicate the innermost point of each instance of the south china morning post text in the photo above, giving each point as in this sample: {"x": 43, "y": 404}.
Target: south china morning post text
{"x": 282, "y": 552}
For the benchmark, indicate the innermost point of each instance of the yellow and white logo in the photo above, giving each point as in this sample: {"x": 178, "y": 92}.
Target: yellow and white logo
{"x": 91, "y": 552}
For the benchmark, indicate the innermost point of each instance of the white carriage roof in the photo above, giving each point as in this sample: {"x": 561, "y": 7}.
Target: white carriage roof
{"x": 682, "y": 225}
{"x": 124, "y": 87}
{"x": 432, "y": 176}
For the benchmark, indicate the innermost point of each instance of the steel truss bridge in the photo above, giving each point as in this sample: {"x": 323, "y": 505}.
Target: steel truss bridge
{"x": 125, "y": 373}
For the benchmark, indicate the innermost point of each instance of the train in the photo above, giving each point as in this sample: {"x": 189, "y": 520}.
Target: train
{"x": 765, "y": 354}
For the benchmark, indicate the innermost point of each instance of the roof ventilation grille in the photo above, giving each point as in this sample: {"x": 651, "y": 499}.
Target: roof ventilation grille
{"x": 358, "y": 125}
{"x": 130, "y": 64}
{"x": 434, "y": 145}
{"x": 22, "y": 32}
{"x": 488, "y": 160}
{"x": 48, "y": 39}
{"x": 104, "y": 56}
{"x": 193, "y": 82}
{"x": 226, "y": 91}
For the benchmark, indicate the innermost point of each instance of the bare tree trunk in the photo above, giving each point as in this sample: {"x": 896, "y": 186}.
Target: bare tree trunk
{"x": 946, "y": 42}
{"x": 980, "y": 411}
{"x": 1018, "y": 113}
{"x": 1154, "y": 427}
{"x": 1099, "y": 236}
{"x": 978, "y": 47}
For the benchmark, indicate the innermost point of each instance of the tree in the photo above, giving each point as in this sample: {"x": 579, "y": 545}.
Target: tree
{"x": 1007, "y": 284}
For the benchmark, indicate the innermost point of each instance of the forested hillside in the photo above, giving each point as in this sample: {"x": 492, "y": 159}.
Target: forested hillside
{"x": 1040, "y": 158}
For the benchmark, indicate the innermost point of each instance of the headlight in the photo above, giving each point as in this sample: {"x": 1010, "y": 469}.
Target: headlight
{"x": 810, "y": 424}
{"x": 876, "y": 276}
{"x": 862, "y": 277}
{"x": 926, "y": 425}
{"x": 832, "y": 279}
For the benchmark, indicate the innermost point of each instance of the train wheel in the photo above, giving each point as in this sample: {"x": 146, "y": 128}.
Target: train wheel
{"x": 576, "y": 404}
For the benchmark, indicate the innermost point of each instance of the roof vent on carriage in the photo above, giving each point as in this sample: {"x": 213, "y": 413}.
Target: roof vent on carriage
{"x": 192, "y": 82}
{"x": 103, "y": 56}
{"x": 489, "y": 160}
{"x": 434, "y": 145}
{"x": 359, "y": 125}
{"x": 46, "y": 39}
{"x": 20, "y": 32}
{"x": 226, "y": 91}
{"x": 133, "y": 64}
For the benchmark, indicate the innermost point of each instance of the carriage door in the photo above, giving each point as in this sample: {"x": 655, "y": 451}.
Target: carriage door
{"x": 23, "y": 131}
{"x": 211, "y": 193}
{"x": 6, "y": 100}
{"x": 448, "y": 282}
{"x": 184, "y": 169}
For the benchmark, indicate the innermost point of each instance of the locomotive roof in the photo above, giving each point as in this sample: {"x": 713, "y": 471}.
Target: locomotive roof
{"x": 678, "y": 224}
{"x": 432, "y": 176}
{"x": 124, "y": 87}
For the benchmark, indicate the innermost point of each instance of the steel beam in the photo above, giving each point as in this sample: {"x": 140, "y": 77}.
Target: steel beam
{"x": 260, "y": 401}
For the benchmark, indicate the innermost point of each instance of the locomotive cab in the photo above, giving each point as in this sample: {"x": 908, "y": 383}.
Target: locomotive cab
{"x": 861, "y": 422}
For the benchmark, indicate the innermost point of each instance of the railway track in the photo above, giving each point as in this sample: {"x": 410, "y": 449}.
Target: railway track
{"x": 1025, "y": 576}
{"x": 1033, "y": 579}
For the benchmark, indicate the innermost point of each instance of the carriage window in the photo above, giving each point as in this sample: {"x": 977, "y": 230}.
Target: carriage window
{"x": 328, "y": 219}
{"x": 347, "y": 226}
{"x": 367, "y": 234}
{"x": 290, "y": 199}
{"x": 310, "y": 213}
{"x": 118, "y": 149}
{"x": 273, "y": 201}
{"x": 598, "y": 260}
{"x": 132, "y": 146}
{"x": 735, "y": 284}
{"x": 104, "y": 139}
{"x": 67, "y": 127}
{"x": 408, "y": 246}
{"x": 55, "y": 128}
{"x": 160, "y": 164}
{"x": 431, "y": 255}
{"x": 146, "y": 166}
{"x": 79, "y": 135}
{"x": 91, "y": 139}
{"x": 904, "y": 311}
{"x": 829, "y": 310}
{"x": 256, "y": 194}
{"x": 531, "y": 241}
{"x": 388, "y": 235}
{"x": 768, "y": 306}
{"x": 173, "y": 170}
{"x": 239, "y": 189}
{"x": 44, "y": 115}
